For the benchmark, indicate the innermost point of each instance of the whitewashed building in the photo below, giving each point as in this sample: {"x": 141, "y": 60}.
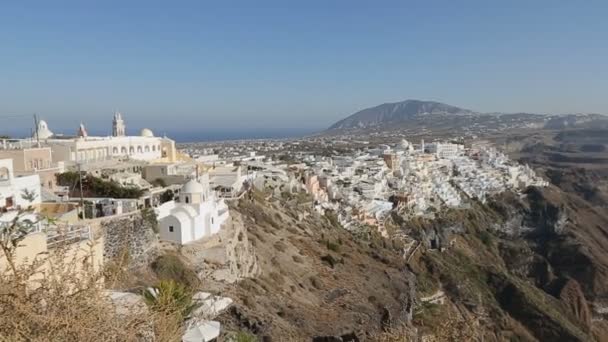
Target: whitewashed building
{"x": 86, "y": 148}
{"x": 13, "y": 188}
{"x": 197, "y": 213}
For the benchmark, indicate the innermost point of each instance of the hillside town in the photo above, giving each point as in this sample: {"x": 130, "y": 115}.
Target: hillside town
{"x": 74, "y": 186}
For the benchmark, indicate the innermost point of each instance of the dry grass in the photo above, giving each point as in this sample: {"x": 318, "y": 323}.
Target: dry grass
{"x": 55, "y": 300}
{"x": 452, "y": 329}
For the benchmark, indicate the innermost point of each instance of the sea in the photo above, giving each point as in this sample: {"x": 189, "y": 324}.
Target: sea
{"x": 182, "y": 136}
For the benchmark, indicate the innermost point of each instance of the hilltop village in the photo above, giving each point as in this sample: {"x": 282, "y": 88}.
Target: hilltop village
{"x": 83, "y": 190}
{"x": 363, "y": 185}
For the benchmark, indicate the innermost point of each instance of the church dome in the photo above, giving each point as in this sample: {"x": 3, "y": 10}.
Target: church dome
{"x": 146, "y": 133}
{"x": 192, "y": 187}
{"x": 43, "y": 130}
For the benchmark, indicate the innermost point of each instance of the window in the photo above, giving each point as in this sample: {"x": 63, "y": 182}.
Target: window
{"x": 170, "y": 229}
{"x": 212, "y": 220}
{"x": 187, "y": 199}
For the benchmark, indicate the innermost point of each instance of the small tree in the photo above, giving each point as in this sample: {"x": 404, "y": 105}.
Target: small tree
{"x": 13, "y": 232}
{"x": 159, "y": 182}
{"x": 167, "y": 196}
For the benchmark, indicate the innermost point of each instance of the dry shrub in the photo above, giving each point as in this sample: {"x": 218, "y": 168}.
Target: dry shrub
{"x": 400, "y": 333}
{"x": 277, "y": 278}
{"x": 280, "y": 246}
{"x": 61, "y": 298}
{"x": 172, "y": 267}
{"x": 316, "y": 283}
{"x": 298, "y": 259}
{"x": 451, "y": 329}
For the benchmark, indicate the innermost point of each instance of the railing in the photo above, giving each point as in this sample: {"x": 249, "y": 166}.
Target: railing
{"x": 64, "y": 235}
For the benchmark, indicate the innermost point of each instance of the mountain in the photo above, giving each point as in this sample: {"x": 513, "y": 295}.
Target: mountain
{"x": 398, "y": 112}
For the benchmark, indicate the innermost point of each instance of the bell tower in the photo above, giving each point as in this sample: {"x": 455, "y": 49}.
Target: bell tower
{"x": 118, "y": 125}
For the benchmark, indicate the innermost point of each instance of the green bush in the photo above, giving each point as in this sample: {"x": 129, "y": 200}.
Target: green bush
{"x": 170, "y": 297}
{"x": 171, "y": 267}
{"x": 329, "y": 260}
{"x": 167, "y": 196}
{"x": 96, "y": 187}
{"x": 159, "y": 182}
{"x": 332, "y": 246}
{"x": 244, "y": 337}
{"x": 485, "y": 237}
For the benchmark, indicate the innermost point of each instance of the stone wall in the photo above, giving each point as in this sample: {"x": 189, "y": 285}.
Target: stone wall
{"x": 130, "y": 233}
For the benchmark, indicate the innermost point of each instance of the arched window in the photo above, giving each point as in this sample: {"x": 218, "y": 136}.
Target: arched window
{"x": 123, "y": 150}
{"x": 115, "y": 150}
{"x": 139, "y": 149}
{"x": 187, "y": 199}
{"x": 4, "y": 173}
{"x": 147, "y": 149}
{"x": 131, "y": 150}
{"x": 153, "y": 148}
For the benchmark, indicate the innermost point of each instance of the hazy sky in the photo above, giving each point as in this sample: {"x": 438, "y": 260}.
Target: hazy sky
{"x": 230, "y": 65}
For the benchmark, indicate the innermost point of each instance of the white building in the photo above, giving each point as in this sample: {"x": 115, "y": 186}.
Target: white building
{"x": 85, "y": 148}
{"x": 197, "y": 214}
{"x": 43, "y": 131}
{"x": 445, "y": 150}
{"x": 13, "y": 188}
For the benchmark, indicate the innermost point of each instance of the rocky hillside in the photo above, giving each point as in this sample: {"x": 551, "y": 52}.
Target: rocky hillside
{"x": 412, "y": 116}
{"x": 521, "y": 268}
{"x": 316, "y": 279}
{"x": 528, "y": 268}
{"x": 398, "y": 112}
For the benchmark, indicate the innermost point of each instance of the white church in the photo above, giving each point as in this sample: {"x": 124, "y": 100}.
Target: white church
{"x": 196, "y": 214}
{"x": 85, "y": 148}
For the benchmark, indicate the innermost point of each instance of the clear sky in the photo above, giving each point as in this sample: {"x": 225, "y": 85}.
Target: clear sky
{"x": 227, "y": 65}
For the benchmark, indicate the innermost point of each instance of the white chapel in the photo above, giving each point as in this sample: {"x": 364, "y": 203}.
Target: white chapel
{"x": 196, "y": 214}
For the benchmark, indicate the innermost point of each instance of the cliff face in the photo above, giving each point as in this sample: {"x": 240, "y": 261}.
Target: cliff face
{"x": 316, "y": 279}
{"x": 527, "y": 268}
{"x": 573, "y": 237}
{"x": 538, "y": 260}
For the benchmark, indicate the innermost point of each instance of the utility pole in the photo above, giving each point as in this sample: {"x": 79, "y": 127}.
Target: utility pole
{"x": 81, "y": 198}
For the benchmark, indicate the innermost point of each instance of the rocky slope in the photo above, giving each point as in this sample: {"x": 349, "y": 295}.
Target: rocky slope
{"x": 521, "y": 268}
{"x": 529, "y": 268}
{"x": 316, "y": 279}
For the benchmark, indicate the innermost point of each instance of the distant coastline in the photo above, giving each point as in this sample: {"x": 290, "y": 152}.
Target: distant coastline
{"x": 219, "y": 135}
{"x": 206, "y": 135}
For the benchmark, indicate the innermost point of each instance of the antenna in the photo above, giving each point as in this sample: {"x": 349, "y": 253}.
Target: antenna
{"x": 36, "y": 128}
{"x": 81, "y": 196}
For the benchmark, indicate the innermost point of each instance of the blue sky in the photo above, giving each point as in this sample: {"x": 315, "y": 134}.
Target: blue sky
{"x": 237, "y": 66}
